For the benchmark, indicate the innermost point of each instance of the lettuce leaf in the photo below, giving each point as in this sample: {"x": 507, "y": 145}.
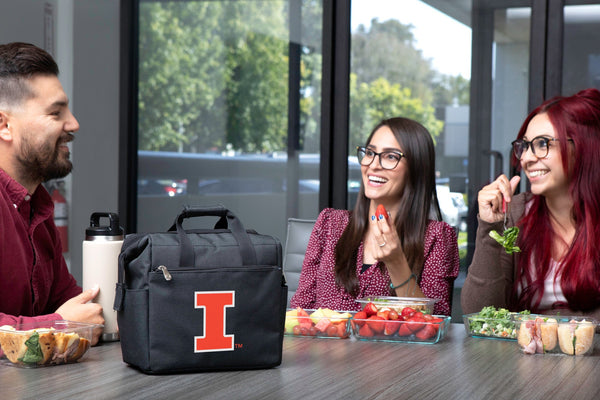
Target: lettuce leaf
{"x": 33, "y": 354}
{"x": 508, "y": 239}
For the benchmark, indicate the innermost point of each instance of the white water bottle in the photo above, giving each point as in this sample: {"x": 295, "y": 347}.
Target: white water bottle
{"x": 101, "y": 249}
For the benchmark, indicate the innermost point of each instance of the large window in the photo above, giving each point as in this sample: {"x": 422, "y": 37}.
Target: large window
{"x": 229, "y": 110}
{"x": 581, "y": 50}
{"x": 412, "y": 60}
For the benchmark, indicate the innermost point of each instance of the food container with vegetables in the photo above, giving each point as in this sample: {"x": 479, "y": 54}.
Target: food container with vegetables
{"x": 386, "y": 324}
{"x": 422, "y": 304}
{"x": 320, "y": 323}
{"x": 492, "y": 323}
{"x": 44, "y": 343}
{"x": 542, "y": 334}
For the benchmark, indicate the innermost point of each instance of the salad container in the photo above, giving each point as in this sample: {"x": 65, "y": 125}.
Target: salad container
{"x": 492, "y": 323}
{"x": 544, "y": 334}
{"x": 44, "y": 343}
{"x": 320, "y": 323}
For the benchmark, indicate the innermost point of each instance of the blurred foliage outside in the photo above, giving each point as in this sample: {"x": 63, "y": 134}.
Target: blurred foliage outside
{"x": 214, "y": 75}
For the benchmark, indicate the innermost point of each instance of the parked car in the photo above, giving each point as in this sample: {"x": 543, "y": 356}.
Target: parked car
{"x": 453, "y": 207}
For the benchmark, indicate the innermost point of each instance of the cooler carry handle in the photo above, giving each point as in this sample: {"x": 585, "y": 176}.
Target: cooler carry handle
{"x": 236, "y": 227}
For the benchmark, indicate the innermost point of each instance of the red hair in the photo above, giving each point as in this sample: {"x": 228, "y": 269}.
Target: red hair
{"x": 577, "y": 118}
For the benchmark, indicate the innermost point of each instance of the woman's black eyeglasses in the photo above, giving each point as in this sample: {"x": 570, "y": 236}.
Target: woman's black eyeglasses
{"x": 539, "y": 146}
{"x": 387, "y": 159}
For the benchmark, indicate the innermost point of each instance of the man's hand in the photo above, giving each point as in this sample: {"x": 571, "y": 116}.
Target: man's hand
{"x": 78, "y": 309}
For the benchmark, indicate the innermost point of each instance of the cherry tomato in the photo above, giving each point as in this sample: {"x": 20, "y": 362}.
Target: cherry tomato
{"x": 296, "y": 330}
{"x": 332, "y": 330}
{"x": 393, "y": 314}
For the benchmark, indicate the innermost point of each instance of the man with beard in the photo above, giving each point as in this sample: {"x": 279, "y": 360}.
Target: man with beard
{"x": 36, "y": 126}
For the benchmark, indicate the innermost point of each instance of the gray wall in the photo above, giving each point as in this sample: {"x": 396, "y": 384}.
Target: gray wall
{"x": 85, "y": 37}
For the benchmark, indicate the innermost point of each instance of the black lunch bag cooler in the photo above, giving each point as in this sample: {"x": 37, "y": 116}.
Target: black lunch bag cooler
{"x": 202, "y": 299}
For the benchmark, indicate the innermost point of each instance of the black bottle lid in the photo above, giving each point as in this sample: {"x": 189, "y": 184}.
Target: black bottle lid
{"x": 104, "y": 232}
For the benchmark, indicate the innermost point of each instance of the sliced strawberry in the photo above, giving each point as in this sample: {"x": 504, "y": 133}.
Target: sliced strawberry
{"x": 436, "y": 323}
{"x": 383, "y": 314}
{"x": 376, "y": 323}
{"x": 415, "y": 324}
{"x": 391, "y": 327}
{"x": 407, "y": 312}
{"x": 403, "y": 329}
{"x": 370, "y": 309}
{"x": 365, "y": 331}
{"x": 359, "y": 318}
{"x": 427, "y": 332}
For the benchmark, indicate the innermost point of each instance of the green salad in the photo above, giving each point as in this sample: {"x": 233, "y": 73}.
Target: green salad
{"x": 493, "y": 322}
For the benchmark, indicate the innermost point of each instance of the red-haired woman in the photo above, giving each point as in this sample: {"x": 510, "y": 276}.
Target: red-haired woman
{"x": 558, "y": 267}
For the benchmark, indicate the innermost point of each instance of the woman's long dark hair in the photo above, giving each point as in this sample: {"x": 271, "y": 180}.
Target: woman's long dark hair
{"x": 577, "y": 118}
{"x": 411, "y": 213}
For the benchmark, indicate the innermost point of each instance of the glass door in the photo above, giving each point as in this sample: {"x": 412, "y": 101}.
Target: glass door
{"x": 229, "y": 110}
{"x": 581, "y": 47}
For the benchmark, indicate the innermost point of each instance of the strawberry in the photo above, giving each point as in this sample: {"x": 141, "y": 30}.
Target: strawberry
{"x": 383, "y": 314}
{"x": 393, "y": 315}
{"x": 370, "y": 309}
{"x": 376, "y": 323}
{"x": 403, "y": 329}
{"x": 427, "y": 332}
{"x": 391, "y": 327}
{"x": 381, "y": 212}
{"x": 407, "y": 312}
{"x": 365, "y": 331}
{"x": 415, "y": 324}
{"x": 359, "y": 318}
{"x": 436, "y": 323}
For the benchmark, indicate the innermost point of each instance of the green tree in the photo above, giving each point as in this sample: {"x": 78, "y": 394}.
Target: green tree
{"x": 213, "y": 73}
{"x": 370, "y": 103}
{"x": 180, "y": 78}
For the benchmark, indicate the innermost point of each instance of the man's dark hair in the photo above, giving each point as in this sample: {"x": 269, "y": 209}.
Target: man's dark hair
{"x": 18, "y": 63}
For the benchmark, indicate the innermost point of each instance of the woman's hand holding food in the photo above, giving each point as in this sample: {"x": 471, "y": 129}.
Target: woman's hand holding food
{"x": 491, "y": 196}
{"x": 388, "y": 249}
{"x": 387, "y": 246}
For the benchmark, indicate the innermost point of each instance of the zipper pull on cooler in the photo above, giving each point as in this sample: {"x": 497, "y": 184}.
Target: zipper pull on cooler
{"x": 165, "y": 272}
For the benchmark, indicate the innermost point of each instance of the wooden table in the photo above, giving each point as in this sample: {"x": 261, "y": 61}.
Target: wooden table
{"x": 459, "y": 367}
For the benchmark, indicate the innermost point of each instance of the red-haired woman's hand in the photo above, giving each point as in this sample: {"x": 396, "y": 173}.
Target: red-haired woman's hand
{"x": 491, "y": 196}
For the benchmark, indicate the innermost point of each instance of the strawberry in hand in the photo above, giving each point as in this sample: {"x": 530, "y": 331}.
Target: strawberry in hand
{"x": 381, "y": 212}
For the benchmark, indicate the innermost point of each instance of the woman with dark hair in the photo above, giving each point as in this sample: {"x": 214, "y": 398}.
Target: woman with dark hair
{"x": 400, "y": 252}
{"x": 558, "y": 267}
